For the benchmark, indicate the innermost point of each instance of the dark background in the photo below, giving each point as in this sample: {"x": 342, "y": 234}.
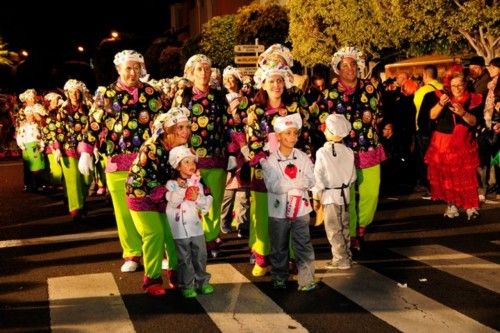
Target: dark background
{"x": 52, "y": 32}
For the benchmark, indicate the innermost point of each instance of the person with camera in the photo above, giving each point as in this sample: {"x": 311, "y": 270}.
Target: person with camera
{"x": 452, "y": 157}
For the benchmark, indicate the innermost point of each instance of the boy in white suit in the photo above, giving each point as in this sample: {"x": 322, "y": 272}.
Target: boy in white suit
{"x": 288, "y": 175}
{"x": 334, "y": 173}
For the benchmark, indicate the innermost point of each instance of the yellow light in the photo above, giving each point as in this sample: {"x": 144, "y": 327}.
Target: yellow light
{"x": 24, "y": 53}
{"x": 80, "y": 49}
{"x": 114, "y": 34}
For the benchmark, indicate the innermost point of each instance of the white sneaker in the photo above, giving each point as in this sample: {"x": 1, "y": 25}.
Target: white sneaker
{"x": 451, "y": 212}
{"x": 337, "y": 265}
{"x": 472, "y": 214}
{"x": 129, "y": 266}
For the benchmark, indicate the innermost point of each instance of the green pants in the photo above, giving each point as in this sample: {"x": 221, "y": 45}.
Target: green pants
{"x": 130, "y": 240}
{"x": 364, "y": 198}
{"x": 55, "y": 170}
{"x": 156, "y": 238}
{"x": 215, "y": 179}
{"x": 75, "y": 183}
{"x": 258, "y": 241}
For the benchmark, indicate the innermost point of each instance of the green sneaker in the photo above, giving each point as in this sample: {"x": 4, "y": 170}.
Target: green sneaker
{"x": 279, "y": 284}
{"x": 207, "y": 288}
{"x": 189, "y": 293}
{"x": 308, "y": 287}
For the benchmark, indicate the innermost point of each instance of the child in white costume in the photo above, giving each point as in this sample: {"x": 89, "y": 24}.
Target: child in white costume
{"x": 186, "y": 204}
{"x": 288, "y": 174}
{"x": 334, "y": 173}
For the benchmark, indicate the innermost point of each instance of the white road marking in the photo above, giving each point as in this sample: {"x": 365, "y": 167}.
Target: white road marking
{"x": 87, "y": 303}
{"x": 403, "y": 308}
{"x": 59, "y": 239}
{"x": 465, "y": 266}
{"x": 239, "y": 306}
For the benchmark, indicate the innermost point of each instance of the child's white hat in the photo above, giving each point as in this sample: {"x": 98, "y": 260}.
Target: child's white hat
{"x": 177, "y": 154}
{"x": 338, "y": 125}
{"x": 283, "y": 123}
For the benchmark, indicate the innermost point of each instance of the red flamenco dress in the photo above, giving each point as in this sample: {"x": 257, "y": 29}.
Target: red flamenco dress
{"x": 452, "y": 157}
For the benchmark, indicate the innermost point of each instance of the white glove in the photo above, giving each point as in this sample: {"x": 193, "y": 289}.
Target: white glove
{"x": 246, "y": 152}
{"x": 85, "y": 164}
{"x": 57, "y": 155}
{"x": 231, "y": 163}
{"x": 96, "y": 154}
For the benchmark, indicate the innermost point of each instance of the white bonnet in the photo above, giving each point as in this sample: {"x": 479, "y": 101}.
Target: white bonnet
{"x": 230, "y": 70}
{"x": 177, "y": 154}
{"x": 173, "y": 116}
{"x": 24, "y": 96}
{"x": 197, "y": 58}
{"x": 128, "y": 55}
{"x": 348, "y": 52}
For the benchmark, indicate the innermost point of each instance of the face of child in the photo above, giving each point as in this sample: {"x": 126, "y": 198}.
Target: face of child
{"x": 289, "y": 137}
{"x": 187, "y": 167}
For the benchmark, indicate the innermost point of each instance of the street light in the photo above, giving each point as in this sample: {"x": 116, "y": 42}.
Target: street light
{"x": 80, "y": 49}
{"x": 24, "y": 53}
{"x": 115, "y": 34}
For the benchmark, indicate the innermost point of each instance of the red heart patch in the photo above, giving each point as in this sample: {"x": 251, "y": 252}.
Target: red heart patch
{"x": 291, "y": 171}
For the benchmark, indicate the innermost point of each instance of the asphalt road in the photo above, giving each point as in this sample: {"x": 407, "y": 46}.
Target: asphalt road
{"x": 417, "y": 273}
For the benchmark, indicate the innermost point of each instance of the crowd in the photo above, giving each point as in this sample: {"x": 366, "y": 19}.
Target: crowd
{"x": 186, "y": 159}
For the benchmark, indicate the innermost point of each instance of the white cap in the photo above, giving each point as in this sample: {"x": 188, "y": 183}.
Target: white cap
{"x": 177, "y": 154}
{"x": 338, "y": 125}
{"x": 283, "y": 123}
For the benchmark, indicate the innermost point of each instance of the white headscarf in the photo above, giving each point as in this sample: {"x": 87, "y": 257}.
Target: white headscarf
{"x": 348, "y": 52}
{"x": 130, "y": 55}
{"x": 173, "y": 116}
{"x": 189, "y": 67}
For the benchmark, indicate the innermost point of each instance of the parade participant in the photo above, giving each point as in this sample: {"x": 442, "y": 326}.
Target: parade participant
{"x": 236, "y": 193}
{"x": 145, "y": 190}
{"x": 208, "y": 119}
{"x": 33, "y": 164}
{"x": 452, "y": 156}
{"x": 272, "y": 100}
{"x": 119, "y": 123}
{"x": 288, "y": 175}
{"x": 186, "y": 204}
{"x": 334, "y": 173}
{"x": 49, "y": 133}
{"x": 359, "y": 101}
{"x": 29, "y": 139}
{"x": 70, "y": 127}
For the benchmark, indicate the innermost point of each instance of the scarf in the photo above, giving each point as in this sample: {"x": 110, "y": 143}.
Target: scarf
{"x": 133, "y": 91}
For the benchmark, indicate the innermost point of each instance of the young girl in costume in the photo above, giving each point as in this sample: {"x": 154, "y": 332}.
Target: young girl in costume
{"x": 186, "y": 204}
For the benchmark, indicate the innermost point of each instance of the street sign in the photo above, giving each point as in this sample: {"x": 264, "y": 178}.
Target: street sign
{"x": 251, "y": 60}
{"x": 247, "y": 70}
{"x": 248, "y": 48}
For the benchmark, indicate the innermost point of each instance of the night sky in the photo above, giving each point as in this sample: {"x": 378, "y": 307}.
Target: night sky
{"x": 54, "y": 32}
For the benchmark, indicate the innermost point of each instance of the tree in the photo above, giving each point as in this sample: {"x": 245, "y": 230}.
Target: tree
{"x": 218, "y": 39}
{"x": 478, "y": 22}
{"x": 268, "y": 23}
{"x": 413, "y": 26}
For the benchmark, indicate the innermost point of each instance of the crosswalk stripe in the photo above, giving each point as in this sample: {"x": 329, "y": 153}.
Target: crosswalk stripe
{"x": 58, "y": 239}
{"x": 465, "y": 266}
{"x": 403, "y": 308}
{"x": 239, "y": 306}
{"x": 87, "y": 303}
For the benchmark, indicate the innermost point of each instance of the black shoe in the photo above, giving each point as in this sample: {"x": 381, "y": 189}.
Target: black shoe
{"x": 242, "y": 233}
